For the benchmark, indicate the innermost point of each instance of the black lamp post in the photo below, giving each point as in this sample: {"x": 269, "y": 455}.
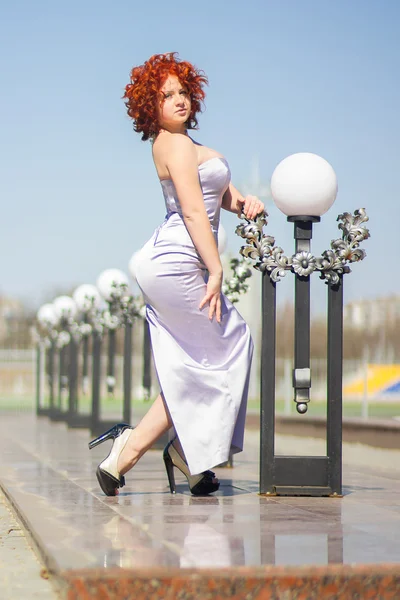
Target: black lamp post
{"x": 65, "y": 310}
{"x": 113, "y": 286}
{"x": 87, "y": 299}
{"x": 304, "y": 187}
{"x": 45, "y": 336}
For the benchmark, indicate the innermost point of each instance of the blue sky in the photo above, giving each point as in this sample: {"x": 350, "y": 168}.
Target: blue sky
{"x": 79, "y": 192}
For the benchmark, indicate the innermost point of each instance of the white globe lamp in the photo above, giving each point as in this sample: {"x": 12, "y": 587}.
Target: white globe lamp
{"x": 304, "y": 184}
{"x": 86, "y": 296}
{"x": 111, "y": 280}
{"x": 64, "y": 307}
{"x": 46, "y": 316}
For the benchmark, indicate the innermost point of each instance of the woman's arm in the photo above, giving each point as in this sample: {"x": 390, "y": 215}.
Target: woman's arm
{"x": 233, "y": 201}
{"x": 181, "y": 162}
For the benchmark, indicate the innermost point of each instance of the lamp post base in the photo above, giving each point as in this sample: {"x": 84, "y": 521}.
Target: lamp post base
{"x": 303, "y": 490}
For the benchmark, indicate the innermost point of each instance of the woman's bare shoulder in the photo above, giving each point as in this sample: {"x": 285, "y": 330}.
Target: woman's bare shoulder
{"x": 170, "y": 150}
{"x": 172, "y": 143}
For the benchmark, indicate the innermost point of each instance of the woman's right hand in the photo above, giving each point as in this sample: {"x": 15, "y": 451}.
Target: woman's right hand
{"x": 213, "y": 297}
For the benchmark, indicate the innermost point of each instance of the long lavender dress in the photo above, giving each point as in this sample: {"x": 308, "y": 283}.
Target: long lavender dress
{"x": 203, "y": 367}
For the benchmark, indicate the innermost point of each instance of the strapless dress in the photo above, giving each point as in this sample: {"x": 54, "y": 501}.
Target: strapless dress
{"x": 203, "y": 366}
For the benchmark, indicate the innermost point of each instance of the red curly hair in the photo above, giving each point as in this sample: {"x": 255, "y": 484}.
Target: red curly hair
{"x": 143, "y": 93}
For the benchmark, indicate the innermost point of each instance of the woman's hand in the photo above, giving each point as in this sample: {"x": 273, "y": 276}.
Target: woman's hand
{"x": 213, "y": 296}
{"x": 251, "y": 206}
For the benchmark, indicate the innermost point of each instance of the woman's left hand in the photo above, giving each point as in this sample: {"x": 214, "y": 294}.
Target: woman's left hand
{"x": 251, "y": 207}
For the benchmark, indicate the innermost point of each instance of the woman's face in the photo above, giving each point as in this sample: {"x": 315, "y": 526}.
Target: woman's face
{"x": 174, "y": 106}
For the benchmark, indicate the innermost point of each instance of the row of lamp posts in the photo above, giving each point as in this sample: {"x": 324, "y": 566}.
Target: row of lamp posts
{"x": 304, "y": 187}
{"x": 81, "y": 324}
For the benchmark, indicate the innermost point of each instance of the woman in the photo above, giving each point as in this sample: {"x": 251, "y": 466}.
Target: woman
{"x": 202, "y": 347}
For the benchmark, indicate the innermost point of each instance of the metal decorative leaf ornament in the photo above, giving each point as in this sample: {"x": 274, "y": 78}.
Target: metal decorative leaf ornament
{"x": 351, "y": 226}
{"x": 332, "y": 264}
{"x": 276, "y": 263}
{"x": 344, "y": 250}
{"x": 236, "y": 285}
{"x": 261, "y": 247}
{"x": 304, "y": 263}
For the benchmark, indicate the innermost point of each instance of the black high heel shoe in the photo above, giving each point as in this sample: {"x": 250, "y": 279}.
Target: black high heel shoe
{"x": 200, "y": 485}
{"x": 107, "y": 473}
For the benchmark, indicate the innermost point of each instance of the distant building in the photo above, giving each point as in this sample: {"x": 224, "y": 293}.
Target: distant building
{"x": 13, "y": 322}
{"x": 372, "y": 314}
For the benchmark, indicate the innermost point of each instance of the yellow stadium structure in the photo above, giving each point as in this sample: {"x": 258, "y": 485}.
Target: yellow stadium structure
{"x": 381, "y": 380}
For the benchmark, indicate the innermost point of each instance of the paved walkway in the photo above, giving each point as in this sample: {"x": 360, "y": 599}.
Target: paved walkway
{"x": 143, "y": 542}
{"x": 22, "y": 576}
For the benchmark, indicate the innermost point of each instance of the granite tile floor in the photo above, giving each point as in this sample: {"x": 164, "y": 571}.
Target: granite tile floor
{"x": 48, "y": 472}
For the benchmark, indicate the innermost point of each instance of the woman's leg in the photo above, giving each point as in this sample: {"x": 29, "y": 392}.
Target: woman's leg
{"x": 156, "y": 421}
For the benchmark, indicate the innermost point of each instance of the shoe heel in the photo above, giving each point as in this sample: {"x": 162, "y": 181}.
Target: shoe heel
{"x": 169, "y": 466}
{"x": 111, "y": 433}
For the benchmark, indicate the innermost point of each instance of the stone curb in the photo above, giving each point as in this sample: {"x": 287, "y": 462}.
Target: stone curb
{"x": 332, "y": 582}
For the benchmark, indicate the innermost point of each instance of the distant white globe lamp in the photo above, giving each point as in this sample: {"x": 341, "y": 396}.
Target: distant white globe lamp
{"x": 86, "y": 296}
{"x": 64, "y": 307}
{"x": 304, "y": 184}
{"x": 46, "y": 316}
{"x": 111, "y": 281}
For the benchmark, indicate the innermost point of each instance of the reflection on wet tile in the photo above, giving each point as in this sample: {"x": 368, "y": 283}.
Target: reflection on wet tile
{"x": 130, "y": 546}
{"x": 301, "y": 549}
{"x": 204, "y": 546}
{"x": 51, "y": 474}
